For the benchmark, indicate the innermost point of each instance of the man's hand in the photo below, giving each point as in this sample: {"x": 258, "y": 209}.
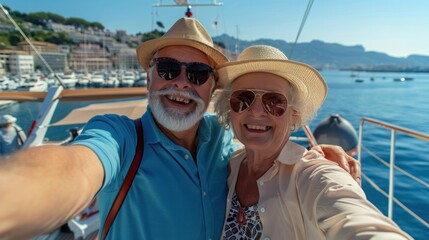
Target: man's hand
{"x": 345, "y": 161}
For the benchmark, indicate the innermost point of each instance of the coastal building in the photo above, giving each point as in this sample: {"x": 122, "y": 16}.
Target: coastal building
{"x": 20, "y": 64}
{"x": 50, "y": 52}
{"x": 57, "y": 61}
{"x": 58, "y": 27}
{"x": 5, "y": 59}
{"x": 122, "y": 36}
{"x": 126, "y": 59}
{"x": 39, "y": 46}
{"x": 91, "y": 64}
{"x": 78, "y": 37}
{"x": 89, "y": 57}
{"x": 64, "y": 48}
{"x": 4, "y": 27}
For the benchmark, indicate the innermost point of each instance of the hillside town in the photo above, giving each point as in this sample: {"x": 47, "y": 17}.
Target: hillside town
{"x": 94, "y": 57}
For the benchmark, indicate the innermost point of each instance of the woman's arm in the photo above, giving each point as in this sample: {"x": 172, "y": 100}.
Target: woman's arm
{"x": 338, "y": 205}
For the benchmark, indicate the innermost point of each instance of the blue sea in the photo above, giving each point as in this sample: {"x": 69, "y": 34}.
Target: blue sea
{"x": 401, "y": 103}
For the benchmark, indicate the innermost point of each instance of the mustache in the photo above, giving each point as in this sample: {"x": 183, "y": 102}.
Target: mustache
{"x": 190, "y": 94}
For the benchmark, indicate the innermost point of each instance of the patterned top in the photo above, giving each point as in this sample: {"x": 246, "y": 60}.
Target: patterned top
{"x": 243, "y": 222}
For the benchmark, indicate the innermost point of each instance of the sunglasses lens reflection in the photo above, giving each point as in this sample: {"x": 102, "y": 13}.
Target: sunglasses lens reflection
{"x": 274, "y": 103}
{"x": 169, "y": 69}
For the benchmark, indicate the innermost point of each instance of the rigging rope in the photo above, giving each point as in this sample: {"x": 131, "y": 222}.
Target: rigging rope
{"x": 304, "y": 18}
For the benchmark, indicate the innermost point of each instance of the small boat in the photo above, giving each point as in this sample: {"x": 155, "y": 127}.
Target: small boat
{"x": 33, "y": 84}
{"x": 112, "y": 81}
{"x": 128, "y": 79}
{"x": 69, "y": 79}
{"x": 97, "y": 79}
{"x": 403, "y": 79}
{"x": 359, "y": 80}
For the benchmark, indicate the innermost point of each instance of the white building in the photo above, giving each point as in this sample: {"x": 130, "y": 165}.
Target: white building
{"x": 126, "y": 59}
{"x": 21, "y": 64}
{"x": 57, "y": 27}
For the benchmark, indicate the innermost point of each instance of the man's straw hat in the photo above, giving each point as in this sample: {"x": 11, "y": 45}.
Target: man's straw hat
{"x": 310, "y": 85}
{"x": 185, "y": 32}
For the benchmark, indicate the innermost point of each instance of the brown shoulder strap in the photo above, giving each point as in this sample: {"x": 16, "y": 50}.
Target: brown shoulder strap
{"x": 127, "y": 182}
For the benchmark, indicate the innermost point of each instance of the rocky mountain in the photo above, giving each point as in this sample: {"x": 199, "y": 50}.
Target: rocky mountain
{"x": 333, "y": 55}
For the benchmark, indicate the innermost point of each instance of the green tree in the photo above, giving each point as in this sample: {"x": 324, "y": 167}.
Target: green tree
{"x": 58, "y": 38}
{"x": 56, "y": 18}
{"x": 152, "y": 35}
{"x": 15, "y": 38}
{"x": 77, "y": 22}
{"x": 96, "y": 25}
{"x": 4, "y": 40}
{"x": 38, "y": 18}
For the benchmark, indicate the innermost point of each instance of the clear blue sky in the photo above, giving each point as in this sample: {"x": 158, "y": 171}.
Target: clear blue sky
{"x": 396, "y": 27}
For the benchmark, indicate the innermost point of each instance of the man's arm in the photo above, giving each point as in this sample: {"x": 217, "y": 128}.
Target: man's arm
{"x": 345, "y": 161}
{"x": 42, "y": 187}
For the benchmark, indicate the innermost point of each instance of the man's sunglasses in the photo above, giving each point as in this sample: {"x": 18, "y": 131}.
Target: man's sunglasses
{"x": 274, "y": 103}
{"x": 170, "y": 68}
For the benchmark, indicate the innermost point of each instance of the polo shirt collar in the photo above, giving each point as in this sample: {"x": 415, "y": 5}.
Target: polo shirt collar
{"x": 154, "y": 135}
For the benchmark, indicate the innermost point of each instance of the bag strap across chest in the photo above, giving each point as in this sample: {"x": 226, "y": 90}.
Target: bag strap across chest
{"x": 127, "y": 182}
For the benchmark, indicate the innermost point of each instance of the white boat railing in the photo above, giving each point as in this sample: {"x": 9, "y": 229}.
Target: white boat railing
{"x": 394, "y": 129}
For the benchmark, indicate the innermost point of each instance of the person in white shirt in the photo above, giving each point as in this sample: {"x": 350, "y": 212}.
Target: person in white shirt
{"x": 12, "y": 137}
{"x": 277, "y": 188}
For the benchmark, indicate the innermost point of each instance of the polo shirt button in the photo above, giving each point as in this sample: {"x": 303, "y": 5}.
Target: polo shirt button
{"x": 204, "y": 194}
{"x": 262, "y": 209}
{"x": 261, "y": 183}
{"x": 186, "y": 156}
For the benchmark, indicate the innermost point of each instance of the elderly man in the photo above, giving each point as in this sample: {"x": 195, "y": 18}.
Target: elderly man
{"x": 178, "y": 190}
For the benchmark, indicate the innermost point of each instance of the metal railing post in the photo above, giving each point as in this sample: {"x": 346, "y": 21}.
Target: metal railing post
{"x": 391, "y": 173}
{"x": 360, "y": 141}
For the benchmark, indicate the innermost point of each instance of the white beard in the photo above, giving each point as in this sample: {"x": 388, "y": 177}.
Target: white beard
{"x": 174, "y": 119}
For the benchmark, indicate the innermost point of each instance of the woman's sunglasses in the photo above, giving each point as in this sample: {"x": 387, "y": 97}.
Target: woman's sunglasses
{"x": 274, "y": 103}
{"x": 170, "y": 68}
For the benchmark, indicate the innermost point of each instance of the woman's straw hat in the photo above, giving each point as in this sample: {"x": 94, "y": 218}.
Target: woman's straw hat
{"x": 7, "y": 119}
{"x": 310, "y": 85}
{"x": 185, "y": 32}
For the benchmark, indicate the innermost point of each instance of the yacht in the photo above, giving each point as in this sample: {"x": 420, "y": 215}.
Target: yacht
{"x": 5, "y": 82}
{"x": 142, "y": 80}
{"x": 112, "y": 81}
{"x": 128, "y": 79}
{"x": 33, "y": 84}
{"x": 97, "y": 79}
{"x": 69, "y": 79}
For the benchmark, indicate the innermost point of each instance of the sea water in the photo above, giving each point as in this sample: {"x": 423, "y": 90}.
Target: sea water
{"x": 380, "y": 97}
{"x": 405, "y": 104}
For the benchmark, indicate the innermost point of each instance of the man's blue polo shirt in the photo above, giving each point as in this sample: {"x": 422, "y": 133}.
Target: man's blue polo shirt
{"x": 173, "y": 196}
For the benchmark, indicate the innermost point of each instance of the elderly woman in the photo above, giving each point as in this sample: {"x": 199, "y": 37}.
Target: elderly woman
{"x": 278, "y": 189}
